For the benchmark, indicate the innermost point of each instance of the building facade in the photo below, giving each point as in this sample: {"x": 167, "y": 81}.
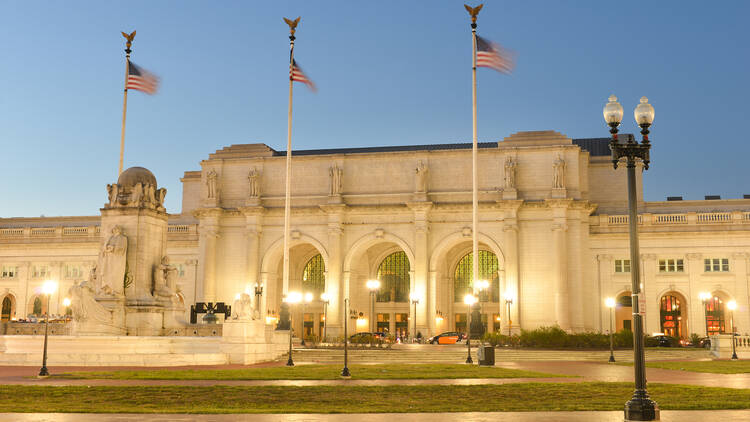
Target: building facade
{"x": 552, "y": 235}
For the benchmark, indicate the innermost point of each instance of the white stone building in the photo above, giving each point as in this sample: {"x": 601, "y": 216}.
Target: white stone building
{"x": 552, "y": 235}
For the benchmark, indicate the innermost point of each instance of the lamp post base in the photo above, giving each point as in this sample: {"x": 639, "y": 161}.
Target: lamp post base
{"x": 44, "y": 372}
{"x": 290, "y": 362}
{"x": 611, "y": 358}
{"x": 345, "y": 373}
{"x": 641, "y": 408}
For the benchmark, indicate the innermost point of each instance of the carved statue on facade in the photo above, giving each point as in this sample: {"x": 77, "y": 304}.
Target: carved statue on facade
{"x": 510, "y": 173}
{"x": 336, "y": 175}
{"x": 112, "y": 261}
{"x": 243, "y": 307}
{"x": 164, "y": 284}
{"x": 136, "y": 195}
{"x": 161, "y": 194}
{"x": 558, "y": 181}
{"x": 254, "y": 178}
{"x": 113, "y": 191}
{"x": 422, "y": 171}
{"x": 150, "y": 199}
{"x": 211, "y": 181}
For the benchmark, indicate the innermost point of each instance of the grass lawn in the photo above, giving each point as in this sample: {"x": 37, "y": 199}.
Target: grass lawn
{"x": 316, "y": 372}
{"x": 713, "y": 366}
{"x": 361, "y": 399}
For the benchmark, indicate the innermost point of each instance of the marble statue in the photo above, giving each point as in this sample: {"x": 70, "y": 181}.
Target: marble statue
{"x": 112, "y": 261}
{"x": 242, "y": 307}
{"x": 136, "y": 195}
{"x": 113, "y": 191}
{"x": 510, "y": 173}
{"x": 150, "y": 199}
{"x": 84, "y": 306}
{"x": 211, "y": 180}
{"x": 164, "y": 284}
{"x": 422, "y": 171}
{"x": 558, "y": 181}
{"x": 336, "y": 175}
{"x": 161, "y": 193}
{"x": 254, "y": 178}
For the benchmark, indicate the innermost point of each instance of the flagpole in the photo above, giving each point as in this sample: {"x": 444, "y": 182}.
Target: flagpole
{"x": 287, "y": 201}
{"x": 129, "y": 38}
{"x": 474, "y": 149}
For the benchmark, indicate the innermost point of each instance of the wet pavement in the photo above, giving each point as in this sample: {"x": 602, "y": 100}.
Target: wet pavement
{"x": 666, "y": 416}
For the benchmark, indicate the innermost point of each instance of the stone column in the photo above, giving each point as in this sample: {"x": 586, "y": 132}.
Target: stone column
{"x": 648, "y": 280}
{"x": 605, "y": 289}
{"x": 559, "y": 275}
{"x": 741, "y": 315}
{"x": 253, "y": 233}
{"x": 421, "y": 265}
{"x": 22, "y": 304}
{"x": 209, "y": 233}
{"x": 346, "y": 280}
{"x": 333, "y": 285}
{"x": 512, "y": 279}
{"x": 694, "y": 306}
{"x": 432, "y": 303}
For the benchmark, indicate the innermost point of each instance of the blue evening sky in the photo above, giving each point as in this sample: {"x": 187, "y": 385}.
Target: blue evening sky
{"x": 388, "y": 73}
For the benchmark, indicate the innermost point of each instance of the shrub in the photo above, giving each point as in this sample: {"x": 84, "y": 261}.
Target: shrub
{"x": 695, "y": 338}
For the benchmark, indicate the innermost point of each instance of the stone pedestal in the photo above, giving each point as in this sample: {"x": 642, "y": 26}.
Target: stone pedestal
{"x": 250, "y": 341}
{"x": 510, "y": 193}
{"x": 144, "y": 320}
{"x": 559, "y": 193}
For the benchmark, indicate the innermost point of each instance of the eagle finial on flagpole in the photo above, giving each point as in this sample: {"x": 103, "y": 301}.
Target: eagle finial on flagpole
{"x": 292, "y": 24}
{"x": 129, "y": 38}
{"x": 473, "y": 11}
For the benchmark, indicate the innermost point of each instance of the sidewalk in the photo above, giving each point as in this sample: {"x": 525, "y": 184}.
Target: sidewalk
{"x": 666, "y": 416}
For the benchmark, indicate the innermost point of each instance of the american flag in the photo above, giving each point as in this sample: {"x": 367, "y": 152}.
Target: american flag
{"x": 141, "y": 80}
{"x": 296, "y": 74}
{"x": 493, "y": 56}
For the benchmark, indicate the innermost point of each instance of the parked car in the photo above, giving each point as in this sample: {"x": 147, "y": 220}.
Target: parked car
{"x": 665, "y": 341}
{"x": 705, "y": 343}
{"x": 448, "y": 337}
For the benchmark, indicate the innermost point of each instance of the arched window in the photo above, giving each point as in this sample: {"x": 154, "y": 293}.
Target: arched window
{"x": 671, "y": 316}
{"x": 7, "y": 309}
{"x": 715, "y": 316}
{"x": 314, "y": 276}
{"x": 393, "y": 274}
{"x": 488, "y": 268}
{"x": 37, "y": 308}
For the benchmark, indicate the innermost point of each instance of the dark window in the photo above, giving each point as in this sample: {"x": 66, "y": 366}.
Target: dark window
{"x": 393, "y": 274}
{"x": 488, "y": 268}
{"x": 314, "y": 276}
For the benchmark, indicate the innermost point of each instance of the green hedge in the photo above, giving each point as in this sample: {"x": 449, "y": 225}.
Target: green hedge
{"x": 556, "y": 338}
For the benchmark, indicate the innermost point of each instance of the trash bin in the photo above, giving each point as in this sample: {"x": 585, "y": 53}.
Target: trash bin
{"x": 486, "y": 356}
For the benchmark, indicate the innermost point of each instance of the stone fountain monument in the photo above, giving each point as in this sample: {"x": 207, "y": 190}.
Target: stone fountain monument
{"x": 132, "y": 289}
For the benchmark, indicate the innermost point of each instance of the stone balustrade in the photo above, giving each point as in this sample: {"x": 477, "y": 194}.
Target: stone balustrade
{"x": 721, "y": 346}
{"x": 64, "y": 232}
{"x": 690, "y": 218}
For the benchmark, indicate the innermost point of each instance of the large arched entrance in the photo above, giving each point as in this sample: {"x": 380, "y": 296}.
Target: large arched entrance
{"x": 671, "y": 315}
{"x": 489, "y": 298}
{"x": 8, "y": 308}
{"x": 715, "y": 315}
{"x": 388, "y": 259}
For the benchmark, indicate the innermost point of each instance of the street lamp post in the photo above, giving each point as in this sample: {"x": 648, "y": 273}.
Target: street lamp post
{"x": 469, "y": 300}
{"x": 258, "y": 294}
{"x": 610, "y": 302}
{"x": 308, "y": 299}
{"x": 705, "y": 297}
{"x": 373, "y": 286}
{"x": 482, "y": 285}
{"x": 48, "y": 288}
{"x": 414, "y": 301}
{"x": 326, "y": 300}
{"x": 640, "y": 407}
{"x": 732, "y": 305}
{"x": 345, "y": 372}
{"x": 291, "y": 299}
{"x": 508, "y": 302}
